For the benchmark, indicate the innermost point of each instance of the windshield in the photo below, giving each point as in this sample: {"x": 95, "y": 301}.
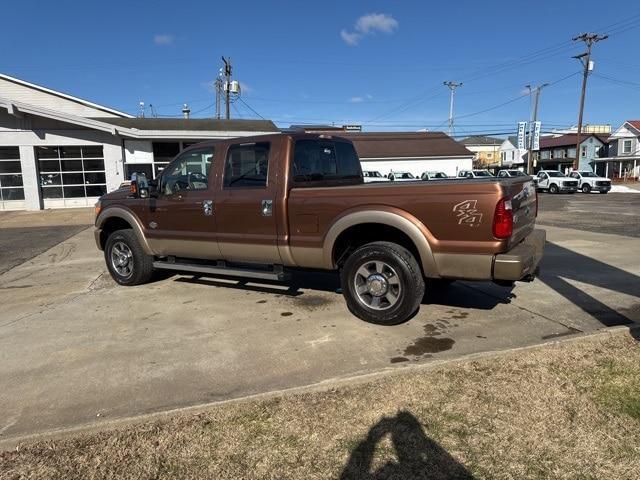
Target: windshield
{"x": 588, "y": 174}
{"x": 440, "y": 175}
{"x": 517, "y": 173}
{"x": 482, "y": 173}
{"x": 556, "y": 174}
{"x": 405, "y": 175}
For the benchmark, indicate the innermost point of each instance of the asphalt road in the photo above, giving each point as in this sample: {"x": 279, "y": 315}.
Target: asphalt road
{"x": 23, "y": 235}
{"x": 617, "y": 213}
{"x": 76, "y": 349}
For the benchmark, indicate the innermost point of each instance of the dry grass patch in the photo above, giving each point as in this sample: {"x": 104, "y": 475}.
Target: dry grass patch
{"x": 564, "y": 411}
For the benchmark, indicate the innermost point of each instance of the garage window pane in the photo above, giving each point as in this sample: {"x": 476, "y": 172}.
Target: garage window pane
{"x": 9, "y": 153}
{"x": 71, "y": 165}
{"x": 47, "y": 152}
{"x": 93, "y": 165}
{"x": 92, "y": 152}
{"x": 72, "y": 178}
{"x": 73, "y": 192}
{"x": 50, "y": 179}
{"x": 94, "y": 177}
{"x": 52, "y": 192}
{"x": 70, "y": 152}
{"x": 96, "y": 190}
{"x": 10, "y": 180}
{"x": 13, "y": 194}
{"x": 9, "y": 166}
{"x": 49, "y": 165}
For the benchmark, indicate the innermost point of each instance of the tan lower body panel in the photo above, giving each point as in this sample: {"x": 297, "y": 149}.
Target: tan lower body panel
{"x": 186, "y": 248}
{"x": 250, "y": 253}
{"x": 309, "y": 257}
{"x": 464, "y": 265}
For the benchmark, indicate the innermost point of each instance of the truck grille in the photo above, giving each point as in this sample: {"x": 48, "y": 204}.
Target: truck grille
{"x": 603, "y": 183}
{"x": 570, "y": 184}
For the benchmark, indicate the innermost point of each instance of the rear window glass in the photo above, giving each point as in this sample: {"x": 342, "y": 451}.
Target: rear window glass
{"x": 247, "y": 165}
{"x": 325, "y": 161}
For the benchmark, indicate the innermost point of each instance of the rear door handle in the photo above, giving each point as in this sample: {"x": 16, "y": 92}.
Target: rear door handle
{"x": 267, "y": 208}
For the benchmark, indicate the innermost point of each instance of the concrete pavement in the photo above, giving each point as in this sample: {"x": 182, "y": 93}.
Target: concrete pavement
{"x": 76, "y": 349}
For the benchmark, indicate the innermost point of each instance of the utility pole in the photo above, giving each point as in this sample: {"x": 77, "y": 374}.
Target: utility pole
{"x": 532, "y": 123}
{"x": 589, "y": 39}
{"x": 452, "y": 87}
{"x": 227, "y": 86}
{"x": 217, "y": 84}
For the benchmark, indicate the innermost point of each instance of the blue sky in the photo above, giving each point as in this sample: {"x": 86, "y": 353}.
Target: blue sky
{"x": 377, "y": 63}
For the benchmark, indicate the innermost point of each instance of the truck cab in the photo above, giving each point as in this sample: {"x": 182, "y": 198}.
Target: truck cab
{"x": 590, "y": 182}
{"x": 554, "y": 181}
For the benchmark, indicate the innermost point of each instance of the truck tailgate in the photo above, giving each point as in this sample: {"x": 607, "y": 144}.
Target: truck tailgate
{"x": 522, "y": 192}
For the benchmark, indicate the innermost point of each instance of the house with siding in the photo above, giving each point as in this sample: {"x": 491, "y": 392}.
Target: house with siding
{"x": 623, "y": 158}
{"x": 559, "y": 152}
{"x": 511, "y": 156}
{"x": 486, "y": 150}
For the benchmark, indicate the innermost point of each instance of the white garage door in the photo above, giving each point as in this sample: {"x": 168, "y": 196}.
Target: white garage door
{"x": 71, "y": 176}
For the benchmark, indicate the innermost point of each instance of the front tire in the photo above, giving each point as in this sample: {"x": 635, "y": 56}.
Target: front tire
{"x": 382, "y": 283}
{"x": 586, "y": 188}
{"x": 126, "y": 261}
{"x": 553, "y": 189}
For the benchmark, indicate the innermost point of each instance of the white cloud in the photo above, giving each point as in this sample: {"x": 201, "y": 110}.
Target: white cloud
{"x": 369, "y": 24}
{"x": 356, "y": 100}
{"x": 350, "y": 38}
{"x": 163, "y": 39}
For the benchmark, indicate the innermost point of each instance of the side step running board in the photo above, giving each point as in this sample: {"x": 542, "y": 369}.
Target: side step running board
{"x": 276, "y": 274}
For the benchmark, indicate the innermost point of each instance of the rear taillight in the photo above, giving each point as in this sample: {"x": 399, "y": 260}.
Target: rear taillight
{"x": 503, "y": 219}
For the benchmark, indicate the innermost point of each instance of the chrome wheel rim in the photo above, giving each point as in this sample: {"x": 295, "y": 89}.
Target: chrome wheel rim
{"x": 122, "y": 259}
{"x": 377, "y": 285}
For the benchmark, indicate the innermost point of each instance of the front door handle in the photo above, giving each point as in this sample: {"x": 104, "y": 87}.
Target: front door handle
{"x": 267, "y": 208}
{"x": 207, "y": 207}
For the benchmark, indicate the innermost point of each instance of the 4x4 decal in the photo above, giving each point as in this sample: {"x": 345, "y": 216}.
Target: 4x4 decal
{"x": 467, "y": 213}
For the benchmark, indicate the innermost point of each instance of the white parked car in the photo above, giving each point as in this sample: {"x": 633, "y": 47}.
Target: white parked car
{"x": 590, "y": 182}
{"x": 433, "y": 176}
{"x": 511, "y": 173}
{"x": 401, "y": 177}
{"x": 474, "y": 174}
{"x": 555, "y": 181}
{"x": 373, "y": 176}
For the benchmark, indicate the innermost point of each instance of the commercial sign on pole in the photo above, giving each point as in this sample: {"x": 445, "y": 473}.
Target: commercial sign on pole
{"x": 536, "y": 135}
{"x": 522, "y": 128}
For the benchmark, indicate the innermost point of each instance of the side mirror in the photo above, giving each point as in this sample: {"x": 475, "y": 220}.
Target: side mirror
{"x": 139, "y": 185}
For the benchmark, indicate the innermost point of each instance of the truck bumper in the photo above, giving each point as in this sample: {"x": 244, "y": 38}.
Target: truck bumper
{"x": 522, "y": 260}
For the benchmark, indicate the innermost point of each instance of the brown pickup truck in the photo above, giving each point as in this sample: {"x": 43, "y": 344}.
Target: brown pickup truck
{"x": 258, "y": 207}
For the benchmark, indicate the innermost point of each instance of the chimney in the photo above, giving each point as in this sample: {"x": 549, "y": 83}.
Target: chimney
{"x": 186, "y": 111}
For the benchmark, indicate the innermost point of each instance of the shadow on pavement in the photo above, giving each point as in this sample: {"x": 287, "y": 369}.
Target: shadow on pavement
{"x": 418, "y": 456}
{"x": 560, "y": 263}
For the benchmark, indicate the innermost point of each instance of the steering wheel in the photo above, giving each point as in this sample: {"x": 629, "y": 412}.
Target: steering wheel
{"x": 194, "y": 177}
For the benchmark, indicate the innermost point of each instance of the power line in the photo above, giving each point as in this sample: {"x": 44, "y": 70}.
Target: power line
{"x": 250, "y": 108}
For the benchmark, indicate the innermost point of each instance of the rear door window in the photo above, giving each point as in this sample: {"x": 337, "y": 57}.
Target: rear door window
{"x": 247, "y": 166}
{"x": 325, "y": 162}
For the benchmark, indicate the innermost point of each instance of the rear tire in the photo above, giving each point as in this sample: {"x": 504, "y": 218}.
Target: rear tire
{"x": 382, "y": 283}
{"x": 586, "y": 188}
{"x": 126, "y": 261}
{"x": 553, "y": 188}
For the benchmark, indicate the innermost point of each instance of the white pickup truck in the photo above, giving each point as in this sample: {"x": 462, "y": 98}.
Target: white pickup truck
{"x": 590, "y": 182}
{"x": 554, "y": 181}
